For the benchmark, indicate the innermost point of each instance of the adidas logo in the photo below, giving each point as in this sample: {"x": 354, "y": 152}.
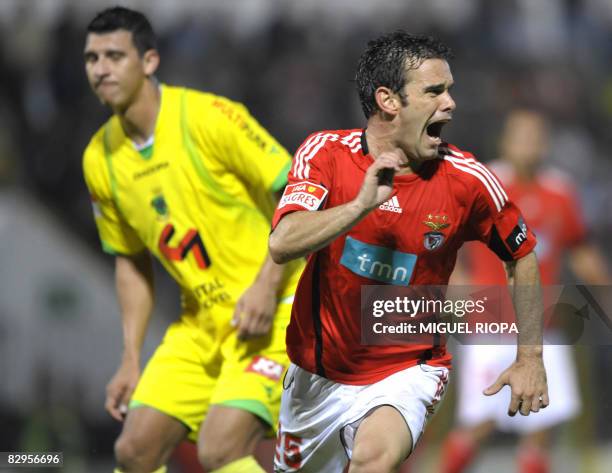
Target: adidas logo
{"x": 392, "y": 205}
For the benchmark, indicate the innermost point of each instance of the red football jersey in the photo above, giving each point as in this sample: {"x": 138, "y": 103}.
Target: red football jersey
{"x": 550, "y": 206}
{"x": 412, "y": 238}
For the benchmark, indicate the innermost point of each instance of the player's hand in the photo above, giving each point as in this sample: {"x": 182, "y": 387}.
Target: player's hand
{"x": 527, "y": 380}
{"x": 254, "y": 312}
{"x": 378, "y": 181}
{"x": 120, "y": 388}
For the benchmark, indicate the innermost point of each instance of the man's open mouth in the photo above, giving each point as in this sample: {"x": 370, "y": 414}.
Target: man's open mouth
{"x": 435, "y": 129}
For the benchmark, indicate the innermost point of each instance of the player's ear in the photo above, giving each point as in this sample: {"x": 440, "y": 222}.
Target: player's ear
{"x": 150, "y": 60}
{"x": 387, "y": 101}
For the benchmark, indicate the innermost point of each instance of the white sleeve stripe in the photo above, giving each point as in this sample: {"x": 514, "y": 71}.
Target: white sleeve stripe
{"x": 490, "y": 174}
{"x": 494, "y": 181}
{"x": 353, "y": 142}
{"x": 494, "y": 184}
{"x": 299, "y": 163}
{"x": 350, "y": 137}
{"x": 309, "y": 149}
{"x": 491, "y": 177}
{"x": 478, "y": 175}
{"x": 298, "y": 153}
{"x": 318, "y": 139}
{"x": 313, "y": 152}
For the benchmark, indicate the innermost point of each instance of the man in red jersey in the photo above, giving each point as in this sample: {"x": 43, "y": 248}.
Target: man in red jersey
{"x": 550, "y": 205}
{"x": 362, "y": 204}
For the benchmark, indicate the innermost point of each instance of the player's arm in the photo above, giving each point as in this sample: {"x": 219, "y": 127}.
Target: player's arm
{"x": 135, "y": 292}
{"x": 261, "y": 163}
{"x": 526, "y": 376}
{"x": 133, "y": 275}
{"x": 496, "y": 221}
{"x": 302, "y": 232}
{"x": 254, "y": 312}
{"x": 527, "y": 299}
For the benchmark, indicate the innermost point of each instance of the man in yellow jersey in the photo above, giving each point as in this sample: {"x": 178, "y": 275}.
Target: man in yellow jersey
{"x": 189, "y": 178}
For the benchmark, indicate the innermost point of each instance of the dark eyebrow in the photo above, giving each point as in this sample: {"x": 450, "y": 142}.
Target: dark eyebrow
{"x": 114, "y": 52}
{"x": 106, "y": 52}
{"x": 436, "y": 88}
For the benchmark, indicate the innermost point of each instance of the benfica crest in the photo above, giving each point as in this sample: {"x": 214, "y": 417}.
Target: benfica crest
{"x": 433, "y": 240}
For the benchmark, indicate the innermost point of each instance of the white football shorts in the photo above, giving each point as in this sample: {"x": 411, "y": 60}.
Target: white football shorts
{"x": 319, "y": 417}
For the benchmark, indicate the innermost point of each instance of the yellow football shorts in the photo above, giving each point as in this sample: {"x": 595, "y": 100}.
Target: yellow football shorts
{"x": 193, "y": 369}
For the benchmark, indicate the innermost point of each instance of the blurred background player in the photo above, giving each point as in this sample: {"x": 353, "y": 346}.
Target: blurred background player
{"x": 551, "y": 208}
{"x": 189, "y": 178}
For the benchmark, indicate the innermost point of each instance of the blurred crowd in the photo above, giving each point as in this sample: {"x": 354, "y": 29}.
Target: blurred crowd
{"x": 292, "y": 63}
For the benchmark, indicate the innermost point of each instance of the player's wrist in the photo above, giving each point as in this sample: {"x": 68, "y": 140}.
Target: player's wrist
{"x": 131, "y": 357}
{"x": 357, "y": 208}
{"x": 529, "y": 352}
{"x": 270, "y": 276}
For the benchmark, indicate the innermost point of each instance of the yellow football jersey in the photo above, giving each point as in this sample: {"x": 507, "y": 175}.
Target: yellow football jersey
{"x": 200, "y": 198}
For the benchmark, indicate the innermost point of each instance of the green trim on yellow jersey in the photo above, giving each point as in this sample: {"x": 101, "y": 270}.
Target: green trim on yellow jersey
{"x": 281, "y": 179}
{"x": 108, "y": 157}
{"x": 133, "y": 404}
{"x": 257, "y": 408}
{"x": 109, "y": 249}
{"x": 194, "y": 156}
{"x": 146, "y": 153}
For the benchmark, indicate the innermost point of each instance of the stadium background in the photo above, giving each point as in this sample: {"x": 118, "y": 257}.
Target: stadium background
{"x": 292, "y": 64}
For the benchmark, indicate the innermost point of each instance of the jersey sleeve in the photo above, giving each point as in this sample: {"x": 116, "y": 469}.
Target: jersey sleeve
{"x": 116, "y": 236}
{"x": 497, "y": 221}
{"x": 309, "y": 179}
{"x": 247, "y": 149}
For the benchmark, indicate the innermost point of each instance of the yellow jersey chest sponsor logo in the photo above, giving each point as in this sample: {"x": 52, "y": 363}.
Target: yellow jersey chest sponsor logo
{"x": 190, "y": 243}
{"x": 150, "y": 170}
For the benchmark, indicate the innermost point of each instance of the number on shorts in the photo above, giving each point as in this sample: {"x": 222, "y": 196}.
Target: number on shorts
{"x": 289, "y": 446}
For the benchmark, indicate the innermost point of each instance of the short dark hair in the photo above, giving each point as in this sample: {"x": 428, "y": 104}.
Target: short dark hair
{"x": 384, "y": 62}
{"x": 121, "y": 18}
